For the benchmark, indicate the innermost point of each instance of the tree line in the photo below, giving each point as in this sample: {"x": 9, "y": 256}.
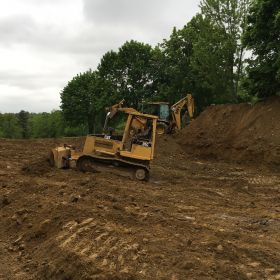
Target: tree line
{"x": 40, "y": 125}
{"x": 229, "y": 52}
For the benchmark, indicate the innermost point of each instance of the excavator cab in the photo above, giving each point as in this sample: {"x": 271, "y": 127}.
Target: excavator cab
{"x": 162, "y": 111}
{"x": 170, "y": 117}
{"x": 159, "y": 109}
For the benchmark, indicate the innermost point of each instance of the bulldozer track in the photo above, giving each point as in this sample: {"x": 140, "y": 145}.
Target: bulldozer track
{"x": 120, "y": 167}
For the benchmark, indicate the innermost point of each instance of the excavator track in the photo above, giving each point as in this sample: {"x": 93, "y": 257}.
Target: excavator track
{"x": 120, "y": 167}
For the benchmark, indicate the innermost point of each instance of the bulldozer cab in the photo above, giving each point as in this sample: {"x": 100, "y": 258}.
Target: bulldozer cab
{"x": 139, "y": 137}
{"x": 159, "y": 109}
{"x": 135, "y": 141}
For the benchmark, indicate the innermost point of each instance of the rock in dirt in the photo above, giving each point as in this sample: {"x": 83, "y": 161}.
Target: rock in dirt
{"x": 21, "y": 247}
{"x": 17, "y": 240}
{"x": 254, "y": 264}
{"x": 220, "y": 248}
{"x": 75, "y": 198}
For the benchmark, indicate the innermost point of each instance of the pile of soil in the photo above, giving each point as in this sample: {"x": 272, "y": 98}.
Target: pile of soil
{"x": 37, "y": 167}
{"x": 236, "y": 132}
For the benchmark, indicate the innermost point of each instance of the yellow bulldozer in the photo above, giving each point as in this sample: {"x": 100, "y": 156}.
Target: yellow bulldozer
{"x": 169, "y": 117}
{"x": 131, "y": 150}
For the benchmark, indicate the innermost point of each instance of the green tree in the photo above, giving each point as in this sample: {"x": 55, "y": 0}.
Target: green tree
{"x": 263, "y": 38}
{"x": 195, "y": 61}
{"x": 82, "y": 100}
{"x": 127, "y": 73}
{"x": 9, "y": 126}
{"x": 23, "y": 120}
{"x": 230, "y": 18}
{"x": 57, "y": 123}
{"x": 206, "y": 56}
{"x": 211, "y": 74}
{"x": 40, "y": 125}
{"x": 47, "y": 125}
{"x": 172, "y": 65}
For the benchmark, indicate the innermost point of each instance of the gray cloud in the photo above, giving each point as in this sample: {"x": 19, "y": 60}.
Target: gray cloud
{"x": 124, "y": 11}
{"x": 16, "y": 29}
{"x": 29, "y": 81}
{"x": 108, "y": 24}
{"x": 36, "y": 102}
{"x": 24, "y": 30}
{"x": 42, "y": 54}
{"x": 154, "y": 18}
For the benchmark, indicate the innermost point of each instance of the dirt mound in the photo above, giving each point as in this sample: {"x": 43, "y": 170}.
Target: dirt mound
{"x": 37, "y": 167}
{"x": 238, "y": 132}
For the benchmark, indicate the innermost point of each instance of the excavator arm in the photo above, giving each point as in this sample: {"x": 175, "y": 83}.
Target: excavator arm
{"x": 176, "y": 109}
{"x": 113, "y": 110}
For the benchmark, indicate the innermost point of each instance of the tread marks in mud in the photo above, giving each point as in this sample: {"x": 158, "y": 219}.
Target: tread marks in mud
{"x": 105, "y": 245}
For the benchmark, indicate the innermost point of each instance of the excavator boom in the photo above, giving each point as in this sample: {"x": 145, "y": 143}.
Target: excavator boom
{"x": 176, "y": 109}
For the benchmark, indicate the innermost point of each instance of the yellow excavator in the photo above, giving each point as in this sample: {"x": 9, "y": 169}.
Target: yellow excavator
{"x": 130, "y": 151}
{"x": 169, "y": 117}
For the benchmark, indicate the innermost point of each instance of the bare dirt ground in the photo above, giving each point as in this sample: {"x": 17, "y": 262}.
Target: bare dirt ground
{"x": 194, "y": 219}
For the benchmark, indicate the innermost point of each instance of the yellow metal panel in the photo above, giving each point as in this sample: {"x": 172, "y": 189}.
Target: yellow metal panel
{"x": 138, "y": 152}
{"x": 89, "y": 145}
{"x": 96, "y": 144}
{"x": 126, "y": 130}
{"x": 154, "y": 137}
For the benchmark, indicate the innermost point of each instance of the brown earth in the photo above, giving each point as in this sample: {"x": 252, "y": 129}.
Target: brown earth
{"x": 195, "y": 219}
{"x": 236, "y": 132}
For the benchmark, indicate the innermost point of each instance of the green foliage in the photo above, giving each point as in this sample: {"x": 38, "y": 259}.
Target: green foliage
{"x": 230, "y": 16}
{"x": 82, "y": 100}
{"x": 47, "y": 125}
{"x": 40, "y": 125}
{"x": 9, "y": 126}
{"x": 262, "y": 37}
{"x": 23, "y": 120}
{"x": 174, "y": 66}
{"x": 206, "y": 56}
{"x": 219, "y": 47}
{"x": 128, "y": 73}
{"x": 72, "y": 131}
{"x": 212, "y": 70}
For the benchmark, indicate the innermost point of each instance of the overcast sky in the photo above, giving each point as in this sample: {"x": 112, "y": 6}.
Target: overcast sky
{"x": 44, "y": 43}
